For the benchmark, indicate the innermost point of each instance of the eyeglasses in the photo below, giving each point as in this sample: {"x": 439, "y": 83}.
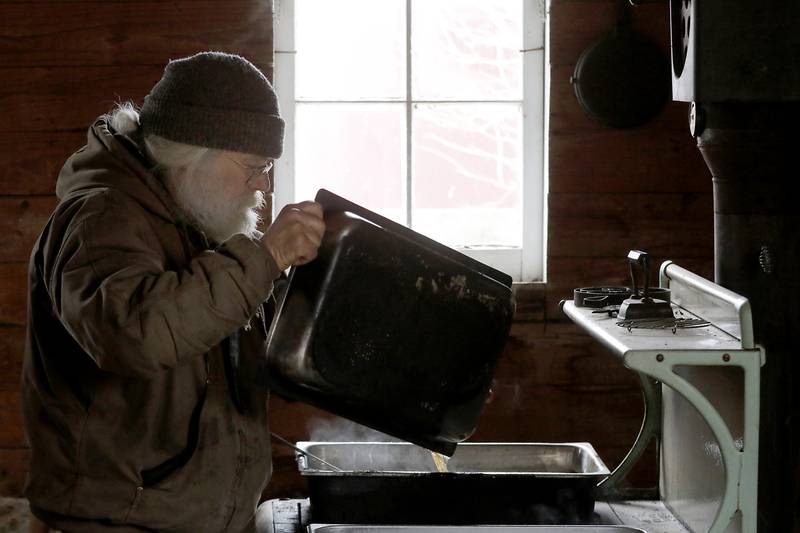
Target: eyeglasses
{"x": 255, "y": 172}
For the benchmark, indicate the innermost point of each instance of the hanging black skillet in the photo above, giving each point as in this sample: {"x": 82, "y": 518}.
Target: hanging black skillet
{"x": 622, "y": 79}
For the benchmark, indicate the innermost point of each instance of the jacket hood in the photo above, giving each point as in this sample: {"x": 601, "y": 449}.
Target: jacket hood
{"x": 113, "y": 160}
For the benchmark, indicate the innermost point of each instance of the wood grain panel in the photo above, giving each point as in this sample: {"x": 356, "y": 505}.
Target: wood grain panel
{"x": 13, "y": 293}
{"x": 12, "y": 434}
{"x": 615, "y": 236}
{"x": 576, "y": 25}
{"x": 613, "y": 161}
{"x": 608, "y": 225}
{"x": 680, "y": 206}
{"x": 558, "y": 356}
{"x": 13, "y": 469}
{"x": 21, "y": 221}
{"x": 30, "y": 162}
{"x": 603, "y": 414}
{"x": 131, "y": 33}
{"x": 286, "y": 480}
{"x": 529, "y": 300}
{"x": 12, "y": 346}
{"x": 56, "y": 99}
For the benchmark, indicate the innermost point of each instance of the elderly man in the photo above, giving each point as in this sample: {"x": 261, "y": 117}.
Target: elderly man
{"x": 149, "y": 287}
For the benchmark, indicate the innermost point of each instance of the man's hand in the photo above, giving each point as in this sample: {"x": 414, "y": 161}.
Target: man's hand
{"x": 295, "y": 235}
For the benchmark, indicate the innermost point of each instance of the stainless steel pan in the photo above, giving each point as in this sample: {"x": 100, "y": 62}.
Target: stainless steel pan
{"x": 487, "y": 483}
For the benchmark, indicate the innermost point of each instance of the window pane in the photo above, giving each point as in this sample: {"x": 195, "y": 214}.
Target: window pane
{"x": 350, "y": 49}
{"x": 466, "y": 49}
{"x": 354, "y": 150}
{"x": 468, "y": 173}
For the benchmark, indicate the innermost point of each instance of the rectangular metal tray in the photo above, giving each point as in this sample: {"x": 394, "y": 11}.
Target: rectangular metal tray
{"x": 322, "y": 528}
{"x": 573, "y": 459}
{"x": 487, "y": 483}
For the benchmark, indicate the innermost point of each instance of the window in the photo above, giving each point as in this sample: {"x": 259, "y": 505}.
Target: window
{"x": 429, "y": 112}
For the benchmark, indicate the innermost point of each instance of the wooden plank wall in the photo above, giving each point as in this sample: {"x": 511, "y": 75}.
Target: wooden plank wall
{"x": 63, "y": 63}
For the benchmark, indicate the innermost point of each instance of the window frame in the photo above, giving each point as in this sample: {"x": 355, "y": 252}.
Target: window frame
{"x": 526, "y": 263}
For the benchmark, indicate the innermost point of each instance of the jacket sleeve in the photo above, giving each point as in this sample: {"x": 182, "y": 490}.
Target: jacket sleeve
{"x": 112, "y": 290}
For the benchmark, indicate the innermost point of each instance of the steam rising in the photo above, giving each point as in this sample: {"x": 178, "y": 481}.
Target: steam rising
{"x": 406, "y": 458}
{"x": 343, "y": 430}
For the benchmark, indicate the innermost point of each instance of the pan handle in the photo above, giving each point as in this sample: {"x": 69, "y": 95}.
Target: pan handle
{"x": 639, "y": 258}
{"x": 301, "y": 451}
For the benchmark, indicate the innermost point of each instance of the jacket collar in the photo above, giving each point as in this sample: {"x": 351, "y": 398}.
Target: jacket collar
{"x": 113, "y": 160}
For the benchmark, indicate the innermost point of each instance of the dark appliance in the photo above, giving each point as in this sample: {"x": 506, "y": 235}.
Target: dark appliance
{"x": 737, "y": 62}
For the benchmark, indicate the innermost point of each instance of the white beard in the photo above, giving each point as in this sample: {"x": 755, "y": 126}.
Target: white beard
{"x": 205, "y": 205}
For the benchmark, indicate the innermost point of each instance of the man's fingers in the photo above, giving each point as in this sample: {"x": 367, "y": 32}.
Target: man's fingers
{"x": 313, "y": 237}
{"x": 296, "y": 233}
{"x": 317, "y": 226}
{"x": 311, "y": 222}
{"x": 309, "y": 214}
{"x": 303, "y": 259}
{"x": 312, "y": 208}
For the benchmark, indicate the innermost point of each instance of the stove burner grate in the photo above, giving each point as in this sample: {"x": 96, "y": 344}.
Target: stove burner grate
{"x": 663, "y": 323}
{"x": 598, "y": 297}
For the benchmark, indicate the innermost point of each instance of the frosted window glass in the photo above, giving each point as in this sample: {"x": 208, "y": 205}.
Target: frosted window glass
{"x": 466, "y": 49}
{"x": 350, "y": 49}
{"x": 467, "y": 179}
{"x": 354, "y": 150}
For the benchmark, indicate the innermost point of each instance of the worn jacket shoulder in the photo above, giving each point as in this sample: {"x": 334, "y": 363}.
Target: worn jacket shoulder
{"x": 110, "y": 209}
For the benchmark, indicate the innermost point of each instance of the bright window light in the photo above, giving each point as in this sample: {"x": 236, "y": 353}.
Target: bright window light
{"x": 429, "y": 112}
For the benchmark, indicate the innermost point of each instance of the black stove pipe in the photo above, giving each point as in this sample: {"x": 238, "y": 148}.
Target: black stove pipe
{"x": 753, "y": 154}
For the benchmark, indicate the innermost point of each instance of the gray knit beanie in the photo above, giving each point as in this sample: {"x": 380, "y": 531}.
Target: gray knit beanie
{"x": 215, "y": 100}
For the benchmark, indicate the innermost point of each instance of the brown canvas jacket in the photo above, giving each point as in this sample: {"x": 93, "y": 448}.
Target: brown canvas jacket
{"x": 125, "y": 396}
